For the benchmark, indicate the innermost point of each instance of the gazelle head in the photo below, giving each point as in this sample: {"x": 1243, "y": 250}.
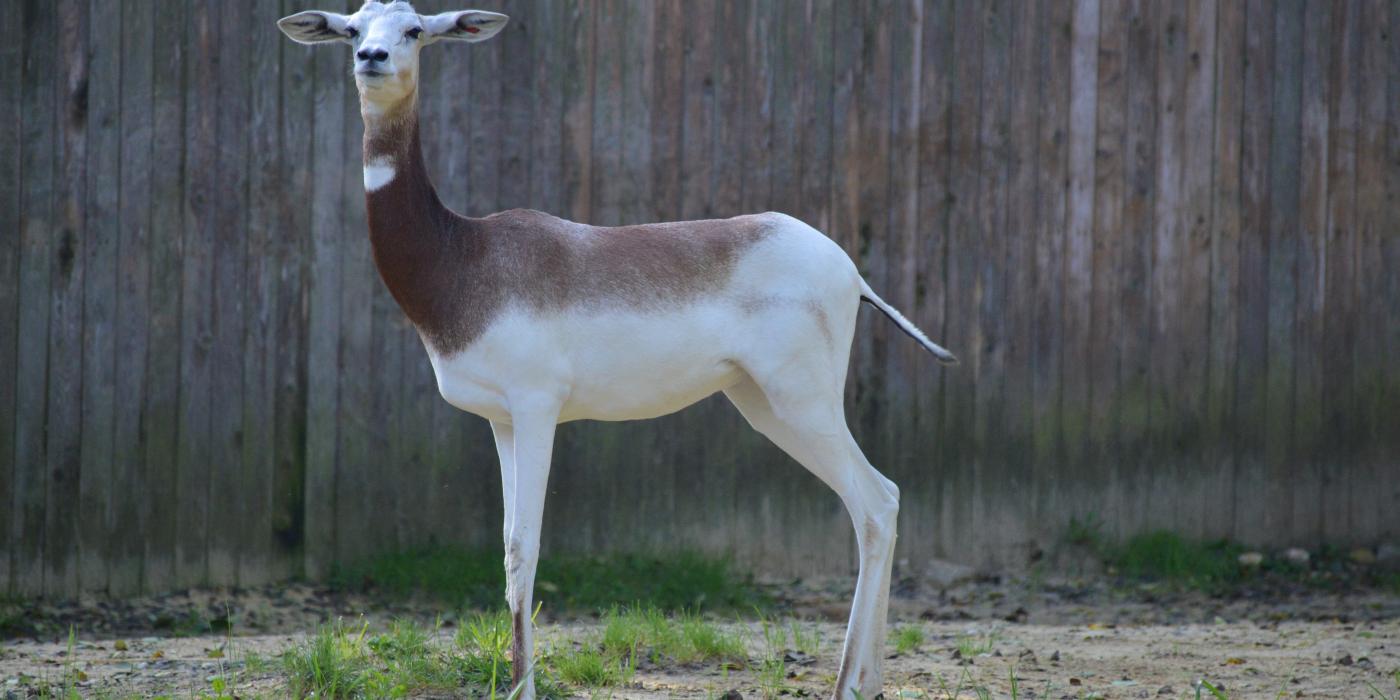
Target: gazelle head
{"x": 386, "y": 38}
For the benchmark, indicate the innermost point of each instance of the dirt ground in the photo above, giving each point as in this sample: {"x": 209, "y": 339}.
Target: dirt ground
{"x": 1068, "y": 640}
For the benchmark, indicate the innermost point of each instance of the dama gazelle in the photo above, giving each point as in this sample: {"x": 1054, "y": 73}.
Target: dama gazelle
{"x": 530, "y": 320}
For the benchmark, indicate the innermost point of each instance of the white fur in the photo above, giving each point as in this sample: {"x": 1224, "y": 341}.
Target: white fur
{"x": 378, "y": 173}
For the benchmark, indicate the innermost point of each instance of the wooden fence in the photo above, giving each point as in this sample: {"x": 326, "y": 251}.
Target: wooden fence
{"x": 1163, "y": 236}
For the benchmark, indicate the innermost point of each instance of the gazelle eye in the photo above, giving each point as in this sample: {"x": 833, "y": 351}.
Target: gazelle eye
{"x": 414, "y": 32}
{"x": 352, "y": 32}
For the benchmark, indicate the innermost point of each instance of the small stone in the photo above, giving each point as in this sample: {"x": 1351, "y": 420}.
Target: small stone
{"x": 732, "y": 695}
{"x": 1345, "y": 661}
{"x": 1251, "y": 560}
{"x": 1296, "y": 556}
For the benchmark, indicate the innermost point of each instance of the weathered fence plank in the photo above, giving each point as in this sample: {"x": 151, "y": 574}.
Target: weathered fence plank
{"x": 132, "y": 297}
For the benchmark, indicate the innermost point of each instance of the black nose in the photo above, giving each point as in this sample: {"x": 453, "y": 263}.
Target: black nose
{"x": 368, "y": 54}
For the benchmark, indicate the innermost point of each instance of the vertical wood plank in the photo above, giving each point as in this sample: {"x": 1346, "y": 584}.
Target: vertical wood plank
{"x": 578, "y": 79}
{"x": 1222, "y": 349}
{"x": 1078, "y": 230}
{"x": 697, "y": 149}
{"x": 228, "y": 202}
{"x": 1311, "y": 273}
{"x": 816, "y": 134}
{"x": 1339, "y": 317}
{"x": 160, "y": 524}
{"x": 355, "y": 473}
{"x": 1374, "y": 517}
{"x": 1192, "y": 320}
{"x": 265, "y": 159}
{"x": 10, "y": 217}
{"x": 1283, "y": 261}
{"x": 638, "y": 73}
{"x": 608, "y": 193}
{"x": 666, "y": 99}
{"x": 756, "y": 119}
{"x": 547, "y": 114}
{"x": 1136, "y": 266}
{"x": 1390, "y": 228}
{"x": 1254, "y": 252}
{"x": 929, "y": 312}
{"x": 1168, "y": 250}
{"x": 324, "y": 314}
{"x": 38, "y": 226}
{"x": 64, "y": 410}
{"x": 965, "y": 95}
{"x": 726, "y": 178}
{"x": 987, "y": 315}
{"x": 132, "y": 299}
{"x": 1110, "y": 161}
{"x": 295, "y": 209}
{"x": 102, "y": 226}
{"x": 516, "y": 68}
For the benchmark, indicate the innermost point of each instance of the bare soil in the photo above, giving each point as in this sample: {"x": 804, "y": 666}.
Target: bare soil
{"x": 1063, "y": 640}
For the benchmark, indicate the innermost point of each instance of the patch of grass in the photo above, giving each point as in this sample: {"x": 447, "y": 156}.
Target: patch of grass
{"x": 970, "y": 645}
{"x": 704, "y": 641}
{"x": 588, "y": 665}
{"x": 476, "y": 578}
{"x": 908, "y": 638}
{"x": 1167, "y": 557}
{"x": 331, "y": 664}
{"x": 772, "y": 669}
{"x": 806, "y": 639}
{"x": 686, "y": 638}
{"x": 407, "y": 659}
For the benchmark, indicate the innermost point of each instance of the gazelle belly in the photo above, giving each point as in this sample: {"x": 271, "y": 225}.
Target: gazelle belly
{"x": 600, "y": 364}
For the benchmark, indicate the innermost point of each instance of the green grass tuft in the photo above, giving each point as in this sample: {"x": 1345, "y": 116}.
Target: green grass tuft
{"x": 1165, "y": 556}
{"x": 475, "y": 578}
{"x": 908, "y": 638}
{"x": 331, "y": 664}
{"x": 590, "y": 666}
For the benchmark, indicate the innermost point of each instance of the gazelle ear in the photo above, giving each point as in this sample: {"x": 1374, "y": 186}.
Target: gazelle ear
{"x": 315, "y": 27}
{"x": 464, "y": 25}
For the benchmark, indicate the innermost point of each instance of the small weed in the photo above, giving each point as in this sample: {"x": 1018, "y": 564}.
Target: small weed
{"x": 483, "y": 640}
{"x": 331, "y": 664}
{"x": 1214, "y": 692}
{"x": 970, "y": 646}
{"x": 705, "y": 641}
{"x": 908, "y": 638}
{"x": 590, "y": 667}
{"x": 772, "y": 669}
{"x": 806, "y": 640}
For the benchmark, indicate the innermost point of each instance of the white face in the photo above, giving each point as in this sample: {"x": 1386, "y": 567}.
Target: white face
{"x": 386, "y": 38}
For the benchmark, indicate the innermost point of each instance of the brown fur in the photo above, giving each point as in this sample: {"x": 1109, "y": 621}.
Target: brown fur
{"x": 453, "y": 275}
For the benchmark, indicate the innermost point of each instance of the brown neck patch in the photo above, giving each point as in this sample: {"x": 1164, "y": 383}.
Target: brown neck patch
{"x": 453, "y": 275}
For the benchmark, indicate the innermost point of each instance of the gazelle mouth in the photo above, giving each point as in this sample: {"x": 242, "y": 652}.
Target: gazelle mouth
{"x": 370, "y": 73}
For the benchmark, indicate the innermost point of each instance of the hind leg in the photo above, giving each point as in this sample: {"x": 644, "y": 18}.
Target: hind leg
{"x": 802, "y": 413}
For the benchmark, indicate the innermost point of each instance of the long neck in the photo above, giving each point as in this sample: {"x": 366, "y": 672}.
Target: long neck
{"x": 410, "y": 230}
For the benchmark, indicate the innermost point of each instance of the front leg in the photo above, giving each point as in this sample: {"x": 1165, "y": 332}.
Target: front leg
{"x": 533, "y": 431}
